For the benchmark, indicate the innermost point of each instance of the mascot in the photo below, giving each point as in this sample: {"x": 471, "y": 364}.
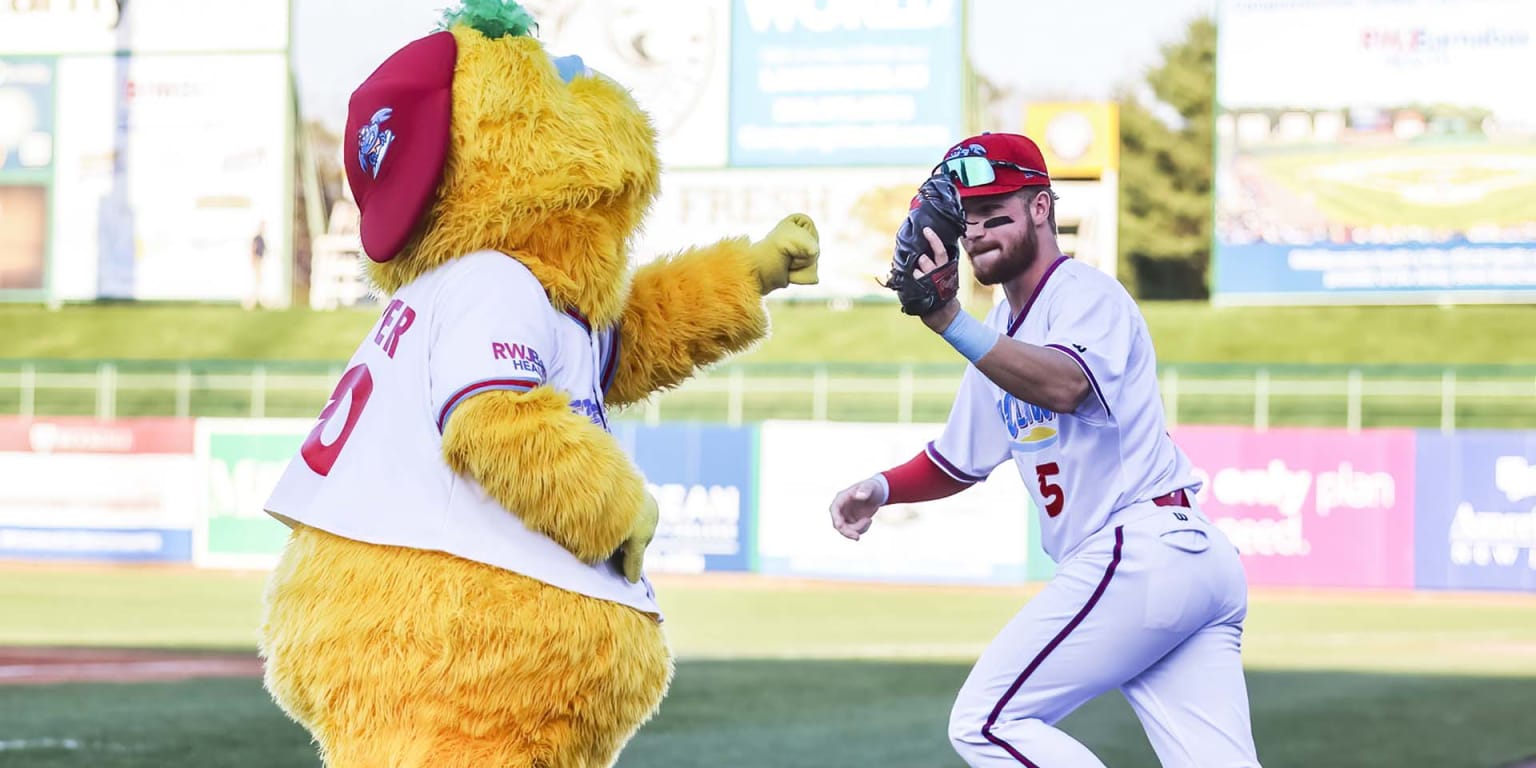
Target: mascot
{"x": 463, "y": 582}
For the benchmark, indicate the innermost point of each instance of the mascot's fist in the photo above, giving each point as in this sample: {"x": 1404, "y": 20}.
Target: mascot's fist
{"x": 632, "y": 552}
{"x": 787, "y": 254}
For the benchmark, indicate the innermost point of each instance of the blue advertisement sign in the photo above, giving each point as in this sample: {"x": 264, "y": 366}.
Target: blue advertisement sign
{"x": 845, "y": 82}
{"x": 1267, "y": 273}
{"x": 124, "y": 545}
{"x": 704, "y": 479}
{"x": 26, "y": 104}
{"x": 1476, "y": 517}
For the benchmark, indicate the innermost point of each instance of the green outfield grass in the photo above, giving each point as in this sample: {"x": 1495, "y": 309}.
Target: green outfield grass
{"x": 1185, "y": 332}
{"x": 1365, "y": 187}
{"x": 775, "y": 674}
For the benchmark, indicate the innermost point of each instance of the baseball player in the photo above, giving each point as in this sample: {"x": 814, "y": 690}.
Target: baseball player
{"x": 1148, "y": 596}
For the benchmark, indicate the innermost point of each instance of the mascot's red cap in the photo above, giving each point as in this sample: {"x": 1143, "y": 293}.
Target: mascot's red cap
{"x": 397, "y": 141}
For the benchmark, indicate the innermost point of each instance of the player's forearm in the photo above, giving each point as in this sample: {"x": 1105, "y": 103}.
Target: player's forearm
{"x": 920, "y": 479}
{"x": 684, "y": 312}
{"x": 1036, "y": 375}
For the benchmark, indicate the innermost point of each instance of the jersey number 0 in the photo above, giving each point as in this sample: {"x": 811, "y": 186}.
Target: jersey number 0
{"x": 355, "y": 387}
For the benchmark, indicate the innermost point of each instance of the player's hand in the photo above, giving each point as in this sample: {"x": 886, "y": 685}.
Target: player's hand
{"x": 632, "y": 551}
{"x": 787, "y": 254}
{"x": 853, "y": 509}
{"x": 944, "y": 314}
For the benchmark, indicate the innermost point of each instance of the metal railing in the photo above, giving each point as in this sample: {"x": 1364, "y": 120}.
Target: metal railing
{"x": 1353, "y": 397}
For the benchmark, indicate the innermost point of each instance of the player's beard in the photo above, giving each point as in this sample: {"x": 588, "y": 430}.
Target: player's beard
{"x": 1009, "y": 261}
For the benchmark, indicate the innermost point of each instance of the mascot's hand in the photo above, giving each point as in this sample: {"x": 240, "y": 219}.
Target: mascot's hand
{"x": 632, "y": 552}
{"x": 787, "y": 255}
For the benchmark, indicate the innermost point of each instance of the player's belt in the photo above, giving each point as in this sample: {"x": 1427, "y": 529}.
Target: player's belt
{"x": 1176, "y": 499}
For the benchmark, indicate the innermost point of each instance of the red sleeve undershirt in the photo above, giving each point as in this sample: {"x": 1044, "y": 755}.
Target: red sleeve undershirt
{"x": 920, "y": 480}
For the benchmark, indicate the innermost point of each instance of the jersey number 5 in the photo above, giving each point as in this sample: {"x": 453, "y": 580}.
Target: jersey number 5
{"x": 1055, "y": 497}
{"x": 355, "y": 387}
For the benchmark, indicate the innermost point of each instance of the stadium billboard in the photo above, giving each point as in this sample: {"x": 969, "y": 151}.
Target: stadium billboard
{"x": 241, "y": 461}
{"x": 857, "y": 212}
{"x": 1310, "y": 507}
{"x": 136, "y": 507}
{"x": 676, "y": 63}
{"x": 171, "y": 169}
{"x": 980, "y": 536}
{"x": 704, "y": 480}
{"x": 1475, "y": 527}
{"x": 26, "y": 165}
{"x": 1374, "y": 151}
{"x": 845, "y": 82}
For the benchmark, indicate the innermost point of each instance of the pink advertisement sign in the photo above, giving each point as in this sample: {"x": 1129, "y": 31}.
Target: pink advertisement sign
{"x": 1310, "y": 507}
{"x": 78, "y": 434}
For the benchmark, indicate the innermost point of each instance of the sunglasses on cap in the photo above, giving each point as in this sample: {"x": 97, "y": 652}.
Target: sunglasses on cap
{"x": 977, "y": 171}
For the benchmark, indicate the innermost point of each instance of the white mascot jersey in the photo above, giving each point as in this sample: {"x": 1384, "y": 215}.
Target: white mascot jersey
{"x": 372, "y": 469}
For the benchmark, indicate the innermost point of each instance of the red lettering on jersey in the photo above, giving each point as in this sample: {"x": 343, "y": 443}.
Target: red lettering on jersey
{"x": 391, "y": 329}
{"x": 498, "y": 350}
{"x": 407, "y": 316}
{"x": 355, "y": 387}
{"x": 384, "y": 324}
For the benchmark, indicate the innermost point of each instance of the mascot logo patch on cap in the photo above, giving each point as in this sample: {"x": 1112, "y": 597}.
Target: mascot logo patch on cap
{"x": 373, "y": 142}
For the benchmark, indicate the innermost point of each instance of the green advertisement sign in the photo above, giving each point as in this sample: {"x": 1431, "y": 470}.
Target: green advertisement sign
{"x": 242, "y": 461}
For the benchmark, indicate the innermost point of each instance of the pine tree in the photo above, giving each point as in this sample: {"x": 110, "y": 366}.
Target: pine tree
{"x": 1165, "y": 173}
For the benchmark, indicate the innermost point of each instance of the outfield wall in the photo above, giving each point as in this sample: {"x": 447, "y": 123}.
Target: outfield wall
{"x": 1306, "y": 507}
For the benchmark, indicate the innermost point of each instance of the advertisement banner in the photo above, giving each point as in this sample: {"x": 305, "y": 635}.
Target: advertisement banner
{"x": 857, "y": 213}
{"x": 1476, "y": 519}
{"x": 704, "y": 479}
{"x": 241, "y": 461}
{"x": 978, "y": 536}
{"x": 122, "y": 545}
{"x": 80, "y": 434}
{"x": 79, "y": 489}
{"x": 26, "y": 103}
{"x": 170, "y": 183}
{"x": 1407, "y": 181}
{"x": 676, "y": 63}
{"x": 1310, "y": 507}
{"x": 845, "y": 82}
{"x": 144, "y": 26}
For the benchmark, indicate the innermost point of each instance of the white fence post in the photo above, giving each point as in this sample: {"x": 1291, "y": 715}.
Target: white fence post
{"x": 820, "y": 387}
{"x": 1261, "y": 400}
{"x": 1356, "y": 393}
{"x": 183, "y": 391}
{"x": 28, "y": 390}
{"x": 905, "y": 391}
{"x": 736, "y": 393}
{"x": 106, "y": 391}
{"x": 259, "y": 392}
{"x": 1448, "y": 402}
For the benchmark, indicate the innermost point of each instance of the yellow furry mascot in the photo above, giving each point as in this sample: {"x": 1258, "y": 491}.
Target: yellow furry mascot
{"x": 463, "y": 584}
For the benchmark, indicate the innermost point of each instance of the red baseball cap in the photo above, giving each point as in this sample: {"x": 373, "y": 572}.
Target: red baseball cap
{"x": 397, "y": 140}
{"x": 994, "y": 164}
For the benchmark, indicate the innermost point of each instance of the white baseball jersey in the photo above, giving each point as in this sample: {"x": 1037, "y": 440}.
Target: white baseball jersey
{"x": 373, "y": 469}
{"x": 1080, "y": 467}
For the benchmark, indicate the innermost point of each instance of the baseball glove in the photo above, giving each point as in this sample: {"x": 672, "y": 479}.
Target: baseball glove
{"x": 937, "y": 206}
